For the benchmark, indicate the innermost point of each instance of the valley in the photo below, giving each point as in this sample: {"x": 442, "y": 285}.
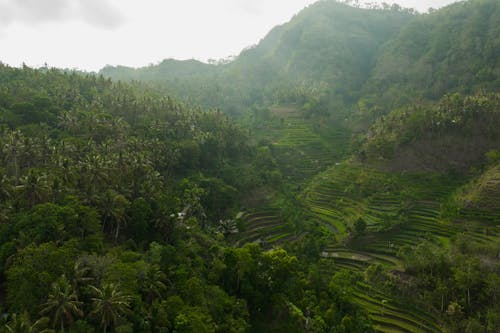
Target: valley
{"x": 340, "y": 176}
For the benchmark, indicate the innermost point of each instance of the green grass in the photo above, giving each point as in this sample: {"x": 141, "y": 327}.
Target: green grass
{"x": 398, "y": 209}
{"x": 265, "y": 226}
{"x": 300, "y": 148}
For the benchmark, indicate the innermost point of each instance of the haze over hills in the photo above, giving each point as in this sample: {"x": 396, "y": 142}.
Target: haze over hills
{"x": 328, "y": 42}
{"x": 357, "y": 52}
{"x": 343, "y": 175}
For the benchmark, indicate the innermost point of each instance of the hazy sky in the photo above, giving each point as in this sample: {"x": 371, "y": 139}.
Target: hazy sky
{"x": 89, "y": 34}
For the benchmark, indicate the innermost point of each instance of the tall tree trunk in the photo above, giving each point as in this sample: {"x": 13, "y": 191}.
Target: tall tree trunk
{"x": 117, "y": 230}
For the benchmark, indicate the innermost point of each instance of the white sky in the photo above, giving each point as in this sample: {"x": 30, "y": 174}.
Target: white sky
{"x": 88, "y": 34}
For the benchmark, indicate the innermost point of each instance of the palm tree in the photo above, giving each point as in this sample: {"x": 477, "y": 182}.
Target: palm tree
{"x": 113, "y": 210}
{"x": 227, "y": 227}
{"x": 80, "y": 275}
{"x": 34, "y": 187}
{"x": 69, "y": 121}
{"x": 152, "y": 283}
{"x": 21, "y": 323}
{"x": 5, "y": 187}
{"x": 95, "y": 170}
{"x": 63, "y": 303}
{"x": 12, "y": 149}
{"x": 109, "y": 304}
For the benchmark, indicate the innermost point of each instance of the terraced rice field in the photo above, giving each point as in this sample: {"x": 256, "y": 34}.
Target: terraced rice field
{"x": 329, "y": 201}
{"x": 350, "y": 258}
{"x": 301, "y": 152}
{"x": 390, "y": 315}
{"x": 490, "y": 197}
{"x": 264, "y": 226}
{"x": 394, "y": 218}
{"x": 397, "y": 210}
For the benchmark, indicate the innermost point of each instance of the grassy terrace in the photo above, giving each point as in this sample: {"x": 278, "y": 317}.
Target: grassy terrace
{"x": 300, "y": 148}
{"x": 390, "y": 315}
{"x": 333, "y": 199}
{"x": 481, "y": 197}
{"x": 398, "y": 210}
{"x": 264, "y": 226}
{"x": 362, "y": 258}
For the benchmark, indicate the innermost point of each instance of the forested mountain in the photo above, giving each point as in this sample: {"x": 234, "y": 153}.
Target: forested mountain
{"x": 327, "y": 49}
{"x": 339, "y": 55}
{"x": 343, "y": 175}
{"x": 455, "y": 49}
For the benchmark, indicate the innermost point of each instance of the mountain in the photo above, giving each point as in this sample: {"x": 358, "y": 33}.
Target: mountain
{"x": 327, "y": 42}
{"x": 171, "y": 68}
{"x": 340, "y": 55}
{"x": 454, "y": 49}
{"x": 359, "y": 64}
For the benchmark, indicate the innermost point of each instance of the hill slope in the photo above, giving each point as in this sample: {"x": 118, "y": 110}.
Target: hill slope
{"x": 454, "y": 49}
{"x": 327, "y": 42}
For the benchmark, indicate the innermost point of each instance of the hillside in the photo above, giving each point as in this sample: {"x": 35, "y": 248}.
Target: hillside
{"x": 340, "y": 176}
{"x": 327, "y": 42}
{"x": 336, "y": 56}
{"x": 454, "y": 49}
{"x": 382, "y": 122}
{"x": 114, "y": 194}
{"x": 454, "y": 134}
{"x": 478, "y": 200}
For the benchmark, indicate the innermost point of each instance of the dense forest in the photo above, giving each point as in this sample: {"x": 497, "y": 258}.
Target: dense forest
{"x": 343, "y": 175}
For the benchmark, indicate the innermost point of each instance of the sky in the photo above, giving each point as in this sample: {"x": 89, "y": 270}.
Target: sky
{"x": 89, "y": 34}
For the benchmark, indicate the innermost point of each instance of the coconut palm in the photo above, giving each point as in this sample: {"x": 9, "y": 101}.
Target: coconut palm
{"x": 34, "y": 187}
{"x": 12, "y": 149}
{"x": 69, "y": 121}
{"x": 227, "y": 227}
{"x": 80, "y": 275}
{"x": 62, "y": 304}
{"x": 109, "y": 304}
{"x": 21, "y": 323}
{"x": 95, "y": 170}
{"x": 153, "y": 283}
{"x": 5, "y": 187}
{"x": 113, "y": 210}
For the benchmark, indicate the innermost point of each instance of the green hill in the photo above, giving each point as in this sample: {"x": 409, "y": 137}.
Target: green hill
{"x": 327, "y": 42}
{"x": 335, "y": 55}
{"x": 356, "y": 188}
{"x": 454, "y": 49}
{"x": 454, "y": 134}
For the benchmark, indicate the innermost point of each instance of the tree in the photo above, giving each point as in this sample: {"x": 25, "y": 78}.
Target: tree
{"x": 359, "y": 226}
{"x": 12, "y": 149}
{"x": 5, "y": 187}
{"x": 468, "y": 277}
{"x": 32, "y": 272}
{"x": 109, "y": 304}
{"x": 62, "y": 304}
{"x": 113, "y": 210}
{"x": 21, "y": 323}
{"x": 152, "y": 283}
{"x": 34, "y": 187}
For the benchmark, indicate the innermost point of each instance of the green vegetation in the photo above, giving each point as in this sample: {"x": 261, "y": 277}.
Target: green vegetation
{"x": 457, "y": 133}
{"x": 340, "y": 176}
{"x": 115, "y": 206}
